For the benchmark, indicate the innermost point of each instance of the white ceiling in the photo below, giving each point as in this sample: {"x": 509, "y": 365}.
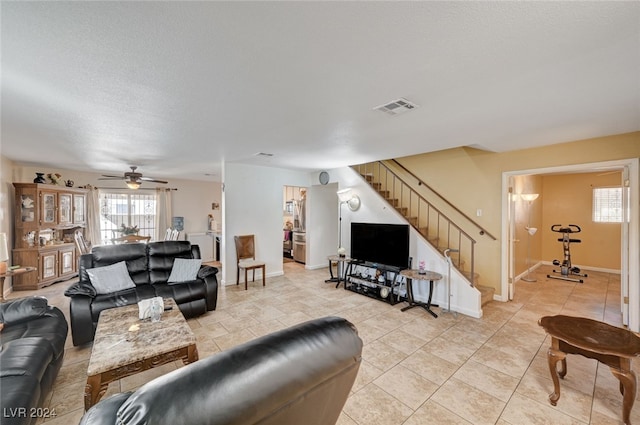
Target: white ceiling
{"x": 178, "y": 87}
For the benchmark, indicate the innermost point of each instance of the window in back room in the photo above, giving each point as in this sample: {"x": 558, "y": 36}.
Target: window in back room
{"x": 607, "y": 205}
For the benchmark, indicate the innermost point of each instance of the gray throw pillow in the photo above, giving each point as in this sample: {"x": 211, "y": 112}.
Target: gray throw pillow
{"x": 184, "y": 270}
{"x": 111, "y": 278}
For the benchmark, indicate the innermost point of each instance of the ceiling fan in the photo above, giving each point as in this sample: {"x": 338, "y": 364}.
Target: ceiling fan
{"x": 132, "y": 178}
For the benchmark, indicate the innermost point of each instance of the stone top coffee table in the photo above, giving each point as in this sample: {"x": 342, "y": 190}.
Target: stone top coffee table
{"x": 119, "y": 352}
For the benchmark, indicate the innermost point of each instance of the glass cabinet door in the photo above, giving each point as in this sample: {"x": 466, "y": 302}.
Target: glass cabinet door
{"x": 64, "y": 208}
{"x": 27, "y": 208}
{"x": 48, "y": 208}
{"x": 79, "y": 209}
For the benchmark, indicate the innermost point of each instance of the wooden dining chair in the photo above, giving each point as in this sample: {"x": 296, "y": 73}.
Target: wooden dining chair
{"x": 82, "y": 244}
{"x": 246, "y": 258}
{"x": 172, "y": 234}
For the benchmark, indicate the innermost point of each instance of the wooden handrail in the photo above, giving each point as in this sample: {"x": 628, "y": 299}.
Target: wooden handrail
{"x": 483, "y": 231}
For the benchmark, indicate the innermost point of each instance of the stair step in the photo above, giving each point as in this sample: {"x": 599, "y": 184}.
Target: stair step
{"x": 394, "y": 202}
{"x": 403, "y": 211}
{"x": 433, "y": 241}
{"x": 367, "y": 177}
{"x": 468, "y": 276}
{"x": 486, "y": 294}
{"x": 412, "y": 220}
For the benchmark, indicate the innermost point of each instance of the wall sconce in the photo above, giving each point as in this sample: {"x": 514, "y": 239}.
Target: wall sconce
{"x": 215, "y": 206}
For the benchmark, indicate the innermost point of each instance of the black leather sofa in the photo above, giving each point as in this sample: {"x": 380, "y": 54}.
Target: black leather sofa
{"x": 149, "y": 266}
{"x": 32, "y": 349}
{"x": 300, "y": 375}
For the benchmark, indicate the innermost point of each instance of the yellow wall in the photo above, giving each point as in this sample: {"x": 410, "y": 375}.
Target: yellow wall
{"x": 472, "y": 179}
{"x": 568, "y": 200}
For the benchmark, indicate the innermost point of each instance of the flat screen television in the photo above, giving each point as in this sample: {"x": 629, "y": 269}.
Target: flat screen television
{"x": 383, "y": 244}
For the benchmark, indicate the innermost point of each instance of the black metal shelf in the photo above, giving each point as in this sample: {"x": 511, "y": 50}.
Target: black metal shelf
{"x": 386, "y": 291}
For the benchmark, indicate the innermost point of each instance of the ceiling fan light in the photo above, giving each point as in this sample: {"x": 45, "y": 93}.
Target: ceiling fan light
{"x": 133, "y": 185}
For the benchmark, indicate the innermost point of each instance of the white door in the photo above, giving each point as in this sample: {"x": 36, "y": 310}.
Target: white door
{"x": 624, "y": 269}
{"x": 511, "y": 214}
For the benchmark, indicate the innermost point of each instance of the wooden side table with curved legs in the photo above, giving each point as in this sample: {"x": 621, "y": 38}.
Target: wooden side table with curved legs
{"x": 10, "y": 273}
{"x": 608, "y": 344}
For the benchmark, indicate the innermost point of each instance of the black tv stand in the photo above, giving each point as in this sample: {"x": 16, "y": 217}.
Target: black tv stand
{"x": 377, "y": 281}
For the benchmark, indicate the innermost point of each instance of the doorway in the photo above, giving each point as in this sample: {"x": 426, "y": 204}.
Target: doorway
{"x": 630, "y": 240}
{"x": 294, "y": 227}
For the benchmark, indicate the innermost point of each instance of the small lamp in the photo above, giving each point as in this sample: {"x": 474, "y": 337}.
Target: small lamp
{"x": 353, "y": 202}
{"x": 4, "y": 253}
{"x": 345, "y": 196}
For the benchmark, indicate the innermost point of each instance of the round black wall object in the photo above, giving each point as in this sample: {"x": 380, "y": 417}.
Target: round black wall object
{"x": 323, "y": 177}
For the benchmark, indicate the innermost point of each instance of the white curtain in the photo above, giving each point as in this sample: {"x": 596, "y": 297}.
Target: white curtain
{"x": 92, "y": 232}
{"x": 163, "y": 212}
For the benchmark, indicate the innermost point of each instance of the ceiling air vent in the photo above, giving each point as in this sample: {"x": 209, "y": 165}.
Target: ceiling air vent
{"x": 396, "y": 107}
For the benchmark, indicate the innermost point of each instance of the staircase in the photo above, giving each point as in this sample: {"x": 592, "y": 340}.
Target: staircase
{"x": 430, "y": 222}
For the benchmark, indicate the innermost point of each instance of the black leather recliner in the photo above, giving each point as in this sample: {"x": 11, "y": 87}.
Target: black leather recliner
{"x": 149, "y": 266}
{"x": 31, "y": 354}
{"x": 300, "y": 375}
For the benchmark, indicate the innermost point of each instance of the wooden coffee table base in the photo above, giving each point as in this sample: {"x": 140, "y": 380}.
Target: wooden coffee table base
{"x": 612, "y": 346}
{"x": 97, "y": 384}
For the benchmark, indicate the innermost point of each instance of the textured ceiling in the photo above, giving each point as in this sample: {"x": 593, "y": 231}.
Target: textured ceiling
{"x": 178, "y": 87}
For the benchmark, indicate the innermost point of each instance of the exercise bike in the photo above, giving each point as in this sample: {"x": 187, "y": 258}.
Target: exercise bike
{"x": 566, "y": 269}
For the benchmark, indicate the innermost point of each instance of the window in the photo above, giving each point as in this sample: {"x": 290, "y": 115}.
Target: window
{"x": 607, "y": 205}
{"x": 130, "y": 209}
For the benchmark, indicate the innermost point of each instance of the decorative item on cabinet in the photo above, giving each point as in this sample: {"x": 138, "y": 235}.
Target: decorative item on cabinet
{"x": 45, "y": 218}
{"x": 68, "y": 183}
{"x": 55, "y": 178}
{"x": 39, "y": 178}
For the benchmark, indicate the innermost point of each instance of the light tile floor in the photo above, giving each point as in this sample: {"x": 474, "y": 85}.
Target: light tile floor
{"x": 416, "y": 369}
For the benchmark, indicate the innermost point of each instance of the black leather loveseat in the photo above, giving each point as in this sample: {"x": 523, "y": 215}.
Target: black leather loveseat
{"x": 31, "y": 352}
{"x": 297, "y": 376}
{"x": 149, "y": 266}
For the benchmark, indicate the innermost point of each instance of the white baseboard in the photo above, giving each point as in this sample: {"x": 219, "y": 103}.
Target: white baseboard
{"x": 316, "y": 266}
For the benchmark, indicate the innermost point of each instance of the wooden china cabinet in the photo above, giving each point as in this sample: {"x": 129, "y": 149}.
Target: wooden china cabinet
{"x": 46, "y": 216}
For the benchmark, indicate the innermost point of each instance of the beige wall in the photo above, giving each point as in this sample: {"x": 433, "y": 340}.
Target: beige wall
{"x": 568, "y": 200}
{"x": 472, "y": 179}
